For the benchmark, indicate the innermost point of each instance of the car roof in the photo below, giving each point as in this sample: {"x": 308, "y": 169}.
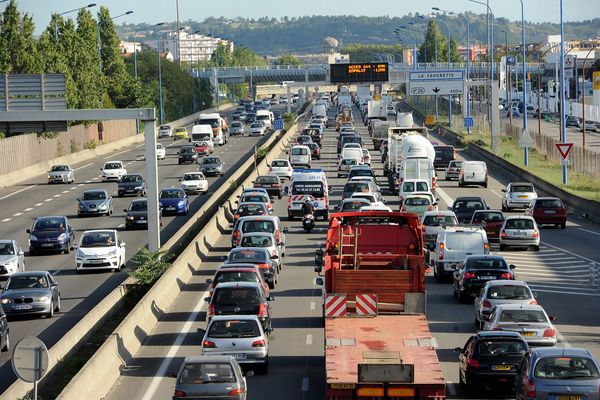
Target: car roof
{"x": 114, "y": 161}
{"x": 257, "y": 234}
{"x": 259, "y": 218}
{"x": 29, "y": 273}
{"x": 521, "y": 183}
{"x": 234, "y": 265}
{"x": 441, "y": 212}
{"x": 235, "y": 316}
{"x": 354, "y": 199}
{"x": 50, "y": 216}
{"x": 484, "y": 257}
{"x": 529, "y": 307}
{"x": 561, "y": 351}
{"x": 95, "y": 190}
{"x": 242, "y": 284}
{"x": 503, "y": 334}
{"x": 209, "y": 359}
{"x": 503, "y": 282}
{"x": 99, "y": 230}
{"x": 548, "y": 198}
{"x": 462, "y": 198}
{"x": 519, "y": 217}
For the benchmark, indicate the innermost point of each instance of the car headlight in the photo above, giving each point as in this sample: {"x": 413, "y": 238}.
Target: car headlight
{"x": 81, "y": 206}
{"x": 62, "y": 236}
{"x": 33, "y": 238}
{"x": 102, "y": 207}
{"x": 41, "y": 299}
{"x": 130, "y": 217}
{"x": 11, "y": 261}
{"x": 138, "y": 188}
{"x": 49, "y": 176}
{"x": 6, "y": 300}
{"x": 181, "y": 203}
{"x": 79, "y": 254}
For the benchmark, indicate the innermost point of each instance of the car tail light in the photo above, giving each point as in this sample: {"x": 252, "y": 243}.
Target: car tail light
{"x": 533, "y": 301}
{"x": 486, "y": 304}
{"x": 403, "y": 208}
{"x": 442, "y": 247}
{"x": 507, "y": 275}
{"x": 236, "y": 392}
{"x": 207, "y": 344}
{"x": 211, "y": 310}
{"x": 503, "y": 235}
{"x": 469, "y": 275}
{"x": 258, "y": 343}
{"x": 536, "y": 234}
{"x": 278, "y": 236}
{"x": 237, "y": 236}
{"x": 263, "y": 310}
{"x": 486, "y": 248}
{"x": 263, "y": 266}
{"x": 530, "y": 391}
{"x": 179, "y": 393}
{"x": 549, "y": 332}
{"x": 473, "y": 363}
{"x": 236, "y": 216}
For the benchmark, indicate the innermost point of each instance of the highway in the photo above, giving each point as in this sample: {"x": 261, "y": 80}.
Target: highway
{"x": 79, "y": 293}
{"x": 558, "y": 274}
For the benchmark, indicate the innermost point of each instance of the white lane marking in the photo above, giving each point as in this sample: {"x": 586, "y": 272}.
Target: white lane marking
{"x": 6, "y": 219}
{"x": 497, "y": 194}
{"x": 116, "y": 154}
{"x": 158, "y": 377}
{"x": 309, "y": 338}
{"x": 84, "y": 166}
{"x": 313, "y": 305}
{"x": 55, "y": 272}
{"x": 73, "y": 188}
{"x": 28, "y": 209}
{"x": 18, "y": 191}
{"x": 305, "y": 383}
{"x": 88, "y": 181}
{"x": 95, "y": 179}
{"x": 140, "y": 145}
{"x": 38, "y": 204}
{"x": 17, "y": 214}
{"x": 57, "y": 195}
{"x": 80, "y": 185}
{"x": 65, "y": 191}
{"x": 568, "y": 252}
{"x": 120, "y": 226}
{"x": 447, "y": 199}
{"x": 47, "y": 200}
{"x": 587, "y": 230}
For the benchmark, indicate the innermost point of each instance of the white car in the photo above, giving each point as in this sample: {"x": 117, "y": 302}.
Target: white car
{"x": 113, "y": 171}
{"x": 12, "y": 258}
{"x": 161, "y": 152}
{"x": 519, "y": 231}
{"x": 100, "y": 249}
{"x": 366, "y": 157}
{"x": 281, "y": 167}
{"x": 375, "y": 208}
{"x": 257, "y": 128}
{"x": 194, "y": 182}
{"x": 165, "y": 130}
{"x": 372, "y": 197}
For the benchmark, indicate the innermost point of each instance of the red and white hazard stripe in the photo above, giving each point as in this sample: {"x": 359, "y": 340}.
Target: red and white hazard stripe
{"x": 366, "y": 304}
{"x": 335, "y": 305}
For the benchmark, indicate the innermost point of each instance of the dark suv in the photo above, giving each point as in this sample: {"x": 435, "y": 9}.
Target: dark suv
{"x": 443, "y": 156}
{"x": 132, "y": 184}
{"x": 51, "y": 234}
{"x": 245, "y": 298}
{"x": 187, "y": 154}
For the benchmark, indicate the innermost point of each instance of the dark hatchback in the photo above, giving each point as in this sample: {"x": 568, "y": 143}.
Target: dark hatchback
{"x": 443, "y": 156}
{"x": 491, "y": 220}
{"x": 131, "y": 184}
{"x": 474, "y": 271}
{"x": 271, "y": 183}
{"x": 315, "y": 150}
{"x": 548, "y": 211}
{"x": 137, "y": 215}
{"x": 490, "y": 359}
{"x": 187, "y": 154}
{"x": 465, "y": 207}
{"x": 51, "y": 234}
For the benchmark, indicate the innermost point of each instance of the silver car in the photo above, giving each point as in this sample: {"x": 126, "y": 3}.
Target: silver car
{"x": 519, "y": 231}
{"x": 212, "y": 165}
{"x": 12, "y": 258}
{"x": 453, "y": 169}
{"x": 518, "y": 195}
{"x": 498, "y": 292}
{"x": 531, "y": 321}
{"x": 241, "y": 336}
{"x": 34, "y": 292}
{"x": 263, "y": 239}
{"x": 95, "y": 202}
{"x": 61, "y": 174}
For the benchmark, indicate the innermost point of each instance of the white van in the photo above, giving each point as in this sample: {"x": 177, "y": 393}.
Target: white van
{"x": 352, "y": 152}
{"x": 300, "y": 156}
{"x": 201, "y": 133}
{"x": 473, "y": 173}
{"x": 266, "y": 117}
{"x": 453, "y": 244}
{"x": 305, "y": 183}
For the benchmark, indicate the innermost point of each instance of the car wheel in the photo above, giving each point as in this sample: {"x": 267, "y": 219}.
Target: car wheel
{"x": 50, "y": 313}
{"x": 536, "y": 248}
{"x": 57, "y": 308}
{"x": 67, "y": 250}
{"x": 563, "y": 226}
{"x": 502, "y": 247}
{"x": 485, "y": 185}
{"x": 6, "y": 344}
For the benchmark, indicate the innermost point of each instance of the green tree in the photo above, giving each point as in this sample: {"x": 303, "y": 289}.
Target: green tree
{"x": 288, "y": 59}
{"x": 245, "y": 57}
{"x": 454, "y": 53}
{"x": 18, "y": 54}
{"x": 372, "y": 52}
{"x": 435, "y": 44}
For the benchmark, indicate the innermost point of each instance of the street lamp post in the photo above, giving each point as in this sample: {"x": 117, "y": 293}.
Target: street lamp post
{"x": 449, "y": 66}
{"x": 583, "y": 93}
{"x": 525, "y": 149}
{"x": 68, "y": 12}
{"x": 100, "y": 23}
{"x": 414, "y": 38}
{"x": 562, "y": 90}
{"x": 491, "y": 35}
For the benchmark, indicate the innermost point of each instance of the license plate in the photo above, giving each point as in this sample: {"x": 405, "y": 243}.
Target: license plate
{"x": 527, "y": 333}
{"x": 240, "y": 356}
{"x": 501, "y": 367}
{"x": 23, "y": 307}
{"x": 549, "y": 212}
{"x": 170, "y": 208}
{"x": 141, "y": 222}
{"x": 94, "y": 261}
{"x": 46, "y": 244}
{"x": 487, "y": 278}
{"x": 568, "y": 397}
{"x": 522, "y": 197}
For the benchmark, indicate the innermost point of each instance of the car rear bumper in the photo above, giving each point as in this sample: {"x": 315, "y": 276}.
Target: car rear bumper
{"x": 551, "y": 220}
{"x": 518, "y": 203}
{"x": 491, "y": 378}
{"x": 125, "y": 192}
{"x": 48, "y": 246}
{"x": 520, "y": 242}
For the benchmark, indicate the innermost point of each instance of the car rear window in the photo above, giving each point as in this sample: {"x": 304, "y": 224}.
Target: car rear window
{"x": 279, "y": 163}
{"x": 267, "y": 179}
{"x": 258, "y": 226}
{"x": 463, "y": 240}
{"x": 353, "y": 187}
{"x": 361, "y": 172}
{"x": 234, "y": 329}
{"x": 256, "y": 241}
{"x": 564, "y": 367}
{"x": 299, "y": 151}
{"x": 488, "y": 217}
{"x": 235, "y": 276}
{"x": 500, "y": 347}
{"x": 519, "y": 224}
{"x": 519, "y": 316}
{"x": 247, "y": 255}
{"x": 466, "y": 205}
{"x": 349, "y": 161}
{"x": 434, "y": 220}
{"x": 353, "y": 205}
{"x": 230, "y": 296}
{"x": 253, "y": 198}
{"x": 486, "y": 263}
{"x": 444, "y": 151}
{"x": 200, "y": 373}
{"x": 417, "y": 201}
{"x": 509, "y": 292}
{"x": 548, "y": 203}
{"x": 521, "y": 188}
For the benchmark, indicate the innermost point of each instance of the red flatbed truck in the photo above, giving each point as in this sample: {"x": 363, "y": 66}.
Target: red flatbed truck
{"x": 382, "y": 349}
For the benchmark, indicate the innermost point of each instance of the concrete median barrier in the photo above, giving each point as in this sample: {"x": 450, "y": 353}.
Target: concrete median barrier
{"x": 100, "y": 373}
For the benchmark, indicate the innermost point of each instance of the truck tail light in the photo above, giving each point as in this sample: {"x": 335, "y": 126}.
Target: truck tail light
{"x": 469, "y": 275}
{"x": 473, "y": 363}
{"x": 530, "y": 391}
{"x": 507, "y": 275}
{"x": 179, "y": 393}
{"x": 207, "y": 344}
{"x": 258, "y": 343}
{"x": 486, "y": 304}
{"x": 549, "y": 332}
{"x": 263, "y": 311}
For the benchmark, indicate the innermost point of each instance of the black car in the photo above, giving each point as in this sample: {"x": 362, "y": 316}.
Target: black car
{"x": 258, "y": 256}
{"x": 315, "y": 150}
{"x": 474, "y": 271}
{"x": 271, "y": 183}
{"x": 132, "y": 184}
{"x": 137, "y": 215}
{"x": 490, "y": 359}
{"x": 464, "y": 207}
{"x": 4, "y": 331}
{"x": 443, "y": 156}
{"x": 51, "y": 234}
{"x": 187, "y": 154}
{"x": 250, "y": 117}
{"x": 240, "y": 298}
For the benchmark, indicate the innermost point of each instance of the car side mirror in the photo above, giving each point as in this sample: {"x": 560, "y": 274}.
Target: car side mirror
{"x": 268, "y": 330}
{"x": 512, "y": 266}
{"x": 124, "y": 210}
{"x": 21, "y": 252}
{"x": 249, "y": 373}
{"x": 458, "y": 350}
{"x": 171, "y": 375}
{"x": 553, "y": 318}
{"x": 201, "y": 331}
{"x": 122, "y": 244}
{"x": 207, "y": 299}
{"x": 271, "y": 298}
{"x": 209, "y": 281}
{"x": 319, "y": 282}
{"x": 504, "y": 190}
{"x": 286, "y": 229}
{"x": 28, "y": 231}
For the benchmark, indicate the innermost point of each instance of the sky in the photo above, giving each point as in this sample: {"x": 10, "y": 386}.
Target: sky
{"x": 153, "y": 11}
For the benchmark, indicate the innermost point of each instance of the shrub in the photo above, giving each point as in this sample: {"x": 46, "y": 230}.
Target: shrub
{"x": 151, "y": 265}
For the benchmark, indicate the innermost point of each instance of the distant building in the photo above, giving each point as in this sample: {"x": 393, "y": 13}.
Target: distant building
{"x": 128, "y": 48}
{"x": 578, "y": 48}
{"x": 322, "y": 58}
{"x": 193, "y": 47}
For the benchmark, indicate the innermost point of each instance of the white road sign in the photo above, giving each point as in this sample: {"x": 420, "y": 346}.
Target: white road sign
{"x": 432, "y": 88}
{"x": 436, "y": 75}
{"x": 526, "y": 140}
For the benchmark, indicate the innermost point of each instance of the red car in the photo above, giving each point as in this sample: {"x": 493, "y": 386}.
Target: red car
{"x": 491, "y": 220}
{"x": 548, "y": 211}
{"x": 203, "y": 148}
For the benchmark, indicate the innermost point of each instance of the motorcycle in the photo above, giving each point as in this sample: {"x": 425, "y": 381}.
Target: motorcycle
{"x": 308, "y": 222}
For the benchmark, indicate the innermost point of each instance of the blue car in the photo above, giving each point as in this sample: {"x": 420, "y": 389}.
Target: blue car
{"x": 51, "y": 234}
{"x": 174, "y": 201}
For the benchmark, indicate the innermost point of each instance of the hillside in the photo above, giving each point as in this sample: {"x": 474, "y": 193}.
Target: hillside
{"x": 269, "y": 36}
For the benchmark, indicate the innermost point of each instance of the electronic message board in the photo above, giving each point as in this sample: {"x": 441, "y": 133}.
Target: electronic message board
{"x": 359, "y": 73}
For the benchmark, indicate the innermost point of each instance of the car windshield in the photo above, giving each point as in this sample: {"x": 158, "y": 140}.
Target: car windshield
{"x": 138, "y": 206}
{"x": 509, "y": 292}
{"x": 180, "y": 130}
{"x": 98, "y": 239}
{"x": 184, "y": 150}
{"x": 131, "y": 178}
{"x": 548, "y": 203}
{"x": 361, "y": 172}
{"x": 231, "y": 296}
{"x": 49, "y": 224}
{"x": 258, "y": 226}
{"x": 211, "y": 160}
{"x": 113, "y": 166}
{"x": 353, "y": 205}
{"x": 299, "y": 151}
{"x": 171, "y": 194}
{"x": 516, "y": 223}
{"x": 521, "y": 316}
{"x": 59, "y": 168}
{"x": 27, "y": 282}
{"x": 354, "y": 187}
{"x": 213, "y": 122}
{"x": 417, "y": 201}
{"x": 96, "y": 195}
{"x": 456, "y": 164}
{"x": 486, "y": 263}
{"x": 438, "y": 220}
{"x": 498, "y": 347}
{"x": 467, "y": 205}
{"x": 279, "y": 163}
{"x": 565, "y": 367}
{"x": 267, "y": 179}
{"x": 251, "y": 209}
{"x": 410, "y": 187}
{"x": 521, "y": 188}
{"x": 226, "y": 275}
{"x": 234, "y": 329}
{"x": 488, "y": 217}
{"x": 256, "y": 241}
{"x": 7, "y": 249}
{"x": 247, "y": 255}
{"x": 193, "y": 177}
{"x": 200, "y": 373}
